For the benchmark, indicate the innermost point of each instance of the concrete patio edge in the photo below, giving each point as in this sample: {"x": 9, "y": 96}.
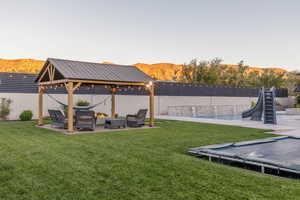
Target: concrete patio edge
{"x": 289, "y": 127}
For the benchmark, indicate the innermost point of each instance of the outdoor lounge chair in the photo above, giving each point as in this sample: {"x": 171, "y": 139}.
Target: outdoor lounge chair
{"x": 58, "y": 118}
{"x": 137, "y": 120}
{"x": 85, "y": 119}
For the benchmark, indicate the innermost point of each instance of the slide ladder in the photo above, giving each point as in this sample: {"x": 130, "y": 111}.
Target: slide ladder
{"x": 269, "y": 107}
{"x": 265, "y": 107}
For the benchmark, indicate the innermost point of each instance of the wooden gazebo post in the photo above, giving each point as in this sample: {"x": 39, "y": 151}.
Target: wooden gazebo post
{"x": 151, "y": 104}
{"x": 70, "y": 106}
{"x": 113, "y": 102}
{"x": 40, "y": 106}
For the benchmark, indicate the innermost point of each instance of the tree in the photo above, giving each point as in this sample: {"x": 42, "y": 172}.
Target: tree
{"x": 213, "y": 72}
{"x": 269, "y": 78}
{"x": 203, "y": 72}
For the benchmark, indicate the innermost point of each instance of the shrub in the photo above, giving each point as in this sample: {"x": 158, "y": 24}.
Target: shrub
{"x": 82, "y": 103}
{"x": 26, "y": 115}
{"x": 5, "y": 108}
{"x": 297, "y": 100}
{"x": 253, "y": 103}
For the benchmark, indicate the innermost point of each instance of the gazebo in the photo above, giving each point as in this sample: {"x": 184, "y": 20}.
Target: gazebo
{"x": 74, "y": 74}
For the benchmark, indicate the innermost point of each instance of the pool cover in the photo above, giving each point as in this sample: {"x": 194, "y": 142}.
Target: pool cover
{"x": 281, "y": 153}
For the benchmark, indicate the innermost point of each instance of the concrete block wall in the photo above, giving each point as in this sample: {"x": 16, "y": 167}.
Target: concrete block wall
{"x": 125, "y": 104}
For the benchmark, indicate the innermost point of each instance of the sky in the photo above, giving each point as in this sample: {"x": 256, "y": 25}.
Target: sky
{"x": 260, "y": 32}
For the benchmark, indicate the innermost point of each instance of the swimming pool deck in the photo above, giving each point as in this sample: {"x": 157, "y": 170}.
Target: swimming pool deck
{"x": 287, "y": 125}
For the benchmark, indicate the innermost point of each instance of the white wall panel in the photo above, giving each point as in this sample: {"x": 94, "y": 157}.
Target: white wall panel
{"x": 125, "y": 104}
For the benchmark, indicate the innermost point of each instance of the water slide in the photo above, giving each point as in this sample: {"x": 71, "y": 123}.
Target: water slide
{"x": 265, "y": 107}
{"x": 256, "y": 111}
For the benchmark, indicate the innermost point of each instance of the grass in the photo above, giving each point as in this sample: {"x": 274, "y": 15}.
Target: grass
{"x": 143, "y": 164}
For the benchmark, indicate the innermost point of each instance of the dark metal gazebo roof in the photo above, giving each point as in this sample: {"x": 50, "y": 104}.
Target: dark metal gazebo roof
{"x": 67, "y": 69}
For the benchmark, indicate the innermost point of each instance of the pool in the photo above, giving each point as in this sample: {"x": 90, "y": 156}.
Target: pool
{"x": 239, "y": 117}
{"x": 275, "y": 155}
{"x": 225, "y": 117}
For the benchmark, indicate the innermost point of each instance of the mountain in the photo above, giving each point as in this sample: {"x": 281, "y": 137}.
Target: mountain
{"x": 21, "y": 65}
{"x": 160, "y": 71}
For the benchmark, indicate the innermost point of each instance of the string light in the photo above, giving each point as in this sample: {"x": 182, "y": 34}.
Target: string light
{"x": 149, "y": 84}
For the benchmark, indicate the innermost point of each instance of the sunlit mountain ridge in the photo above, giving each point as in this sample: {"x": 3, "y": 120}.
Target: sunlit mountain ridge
{"x": 160, "y": 71}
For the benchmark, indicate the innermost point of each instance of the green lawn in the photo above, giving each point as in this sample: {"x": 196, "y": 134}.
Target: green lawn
{"x": 141, "y": 164}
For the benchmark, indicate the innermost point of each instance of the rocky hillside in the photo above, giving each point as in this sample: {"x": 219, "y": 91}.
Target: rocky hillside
{"x": 21, "y": 65}
{"x": 160, "y": 71}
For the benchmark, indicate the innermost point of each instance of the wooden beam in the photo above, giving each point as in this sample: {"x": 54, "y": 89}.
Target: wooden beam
{"x": 76, "y": 86}
{"x": 113, "y": 102}
{"x": 70, "y": 107}
{"x": 43, "y": 74}
{"x": 109, "y": 82}
{"x": 92, "y": 82}
{"x": 53, "y": 73}
{"x": 40, "y": 106}
{"x": 151, "y": 104}
{"x": 49, "y": 73}
{"x": 53, "y": 82}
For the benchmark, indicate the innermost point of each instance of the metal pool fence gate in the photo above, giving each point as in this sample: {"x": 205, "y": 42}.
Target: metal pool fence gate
{"x": 206, "y": 110}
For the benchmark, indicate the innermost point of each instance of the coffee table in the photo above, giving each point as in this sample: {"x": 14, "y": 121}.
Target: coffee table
{"x": 115, "y": 123}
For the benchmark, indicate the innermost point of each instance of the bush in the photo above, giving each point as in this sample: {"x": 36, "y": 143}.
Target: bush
{"x": 253, "y": 103}
{"x": 82, "y": 103}
{"x": 4, "y": 108}
{"x": 297, "y": 100}
{"x": 26, "y": 115}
